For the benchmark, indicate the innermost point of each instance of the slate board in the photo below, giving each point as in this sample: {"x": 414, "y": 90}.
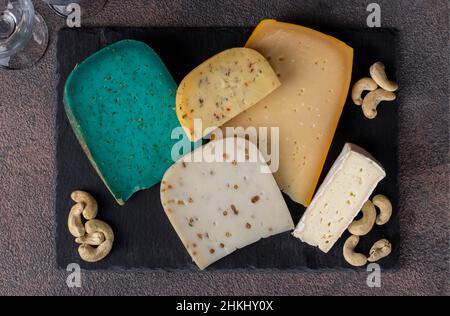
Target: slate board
{"x": 144, "y": 236}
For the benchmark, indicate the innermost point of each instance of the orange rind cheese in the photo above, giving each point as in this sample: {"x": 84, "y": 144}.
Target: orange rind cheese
{"x": 315, "y": 72}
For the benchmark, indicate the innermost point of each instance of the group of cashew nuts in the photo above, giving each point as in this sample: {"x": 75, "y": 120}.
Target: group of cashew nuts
{"x": 380, "y": 87}
{"x": 95, "y": 236}
{"x": 381, "y": 248}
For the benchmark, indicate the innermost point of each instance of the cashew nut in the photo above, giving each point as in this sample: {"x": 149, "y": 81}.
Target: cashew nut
{"x": 382, "y": 248}
{"x": 372, "y": 99}
{"x": 364, "y": 84}
{"x": 91, "y": 254}
{"x": 352, "y": 257}
{"x": 93, "y": 239}
{"x": 385, "y": 207}
{"x": 90, "y": 204}
{"x": 364, "y": 225}
{"x": 76, "y": 227}
{"x": 378, "y": 74}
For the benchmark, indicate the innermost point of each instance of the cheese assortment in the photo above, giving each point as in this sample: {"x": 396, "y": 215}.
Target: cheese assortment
{"x": 219, "y": 207}
{"x": 347, "y": 186}
{"x": 123, "y": 105}
{"x": 315, "y": 71}
{"x": 222, "y": 87}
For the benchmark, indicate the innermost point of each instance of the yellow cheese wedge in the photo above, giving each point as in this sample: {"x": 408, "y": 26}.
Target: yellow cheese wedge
{"x": 222, "y": 87}
{"x": 315, "y": 72}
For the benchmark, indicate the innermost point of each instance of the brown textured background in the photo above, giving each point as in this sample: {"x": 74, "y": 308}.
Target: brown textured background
{"x": 27, "y": 172}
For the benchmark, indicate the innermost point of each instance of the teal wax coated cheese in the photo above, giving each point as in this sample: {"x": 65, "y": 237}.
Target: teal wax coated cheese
{"x": 121, "y": 105}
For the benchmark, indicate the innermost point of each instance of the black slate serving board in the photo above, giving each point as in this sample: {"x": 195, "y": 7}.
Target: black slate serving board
{"x": 144, "y": 236}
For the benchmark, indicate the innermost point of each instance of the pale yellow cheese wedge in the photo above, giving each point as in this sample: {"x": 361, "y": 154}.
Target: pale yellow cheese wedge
{"x": 315, "y": 71}
{"x": 222, "y": 87}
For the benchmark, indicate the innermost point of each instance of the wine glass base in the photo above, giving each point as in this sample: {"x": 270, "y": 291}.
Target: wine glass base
{"x": 33, "y": 50}
{"x": 88, "y": 8}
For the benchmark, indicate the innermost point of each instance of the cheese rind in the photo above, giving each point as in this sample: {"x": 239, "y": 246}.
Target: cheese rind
{"x": 219, "y": 207}
{"x": 222, "y": 87}
{"x": 347, "y": 186}
{"x": 315, "y": 72}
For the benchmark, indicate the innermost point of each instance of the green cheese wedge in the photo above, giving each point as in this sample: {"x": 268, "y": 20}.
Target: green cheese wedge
{"x": 121, "y": 105}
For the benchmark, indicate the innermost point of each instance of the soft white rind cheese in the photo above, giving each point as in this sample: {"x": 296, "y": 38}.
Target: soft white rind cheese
{"x": 348, "y": 185}
{"x": 218, "y": 207}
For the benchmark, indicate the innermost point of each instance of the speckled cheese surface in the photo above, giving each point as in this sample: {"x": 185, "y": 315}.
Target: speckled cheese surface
{"x": 120, "y": 103}
{"x": 347, "y": 186}
{"x": 222, "y": 87}
{"x": 219, "y": 207}
{"x": 315, "y": 71}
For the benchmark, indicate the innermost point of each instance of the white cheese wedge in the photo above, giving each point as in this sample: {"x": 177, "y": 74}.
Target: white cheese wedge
{"x": 348, "y": 185}
{"x": 218, "y": 207}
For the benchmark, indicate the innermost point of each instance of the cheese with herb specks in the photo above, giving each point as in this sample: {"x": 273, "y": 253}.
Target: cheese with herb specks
{"x": 315, "y": 71}
{"x": 120, "y": 104}
{"x": 348, "y": 185}
{"x": 219, "y": 207}
{"x": 222, "y": 87}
